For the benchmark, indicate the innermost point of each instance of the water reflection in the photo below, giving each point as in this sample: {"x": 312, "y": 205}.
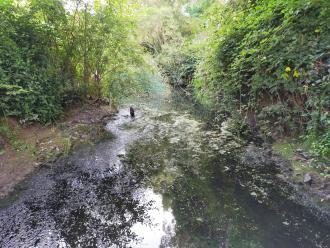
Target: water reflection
{"x": 205, "y": 214}
{"x": 77, "y": 206}
{"x": 170, "y": 189}
{"x": 162, "y": 227}
{"x": 210, "y": 208}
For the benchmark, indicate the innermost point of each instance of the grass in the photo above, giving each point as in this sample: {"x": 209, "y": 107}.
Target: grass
{"x": 287, "y": 147}
{"x": 11, "y": 136}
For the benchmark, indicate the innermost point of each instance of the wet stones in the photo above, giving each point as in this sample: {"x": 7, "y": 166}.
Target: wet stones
{"x": 314, "y": 180}
{"x": 258, "y": 159}
{"x": 308, "y": 179}
{"x": 300, "y": 155}
{"x": 327, "y": 198}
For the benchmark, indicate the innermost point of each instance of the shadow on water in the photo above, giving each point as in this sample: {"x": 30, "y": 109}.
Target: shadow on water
{"x": 161, "y": 182}
{"x": 211, "y": 209}
{"x": 75, "y": 205}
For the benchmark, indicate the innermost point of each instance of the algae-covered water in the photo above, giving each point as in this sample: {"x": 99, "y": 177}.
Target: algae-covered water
{"x": 163, "y": 181}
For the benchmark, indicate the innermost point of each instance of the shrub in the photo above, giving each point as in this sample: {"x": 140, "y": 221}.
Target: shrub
{"x": 177, "y": 66}
{"x": 272, "y": 57}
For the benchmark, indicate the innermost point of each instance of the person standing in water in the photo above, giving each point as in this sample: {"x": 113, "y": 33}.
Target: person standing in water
{"x": 132, "y": 112}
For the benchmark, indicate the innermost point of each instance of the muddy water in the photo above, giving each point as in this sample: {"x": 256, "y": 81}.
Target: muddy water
{"x": 161, "y": 182}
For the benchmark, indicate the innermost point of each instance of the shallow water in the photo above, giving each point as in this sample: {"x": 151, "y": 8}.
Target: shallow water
{"x": 161, "y": 182}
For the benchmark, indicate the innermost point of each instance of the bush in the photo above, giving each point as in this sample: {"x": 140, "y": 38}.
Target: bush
{"x": 272, "y": 57}
{"x": 320, "y": 144}
{"x": 30, "y": 87}
{"x": 177, "y": 66}
{"x": 48, "y": 55}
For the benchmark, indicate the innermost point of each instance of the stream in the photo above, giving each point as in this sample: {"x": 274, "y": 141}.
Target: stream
{"x": 160, "y": 182}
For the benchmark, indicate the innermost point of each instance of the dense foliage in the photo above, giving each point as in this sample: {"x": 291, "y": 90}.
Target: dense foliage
{"x": 30, "y": 82}
{"x": 52, "y": 51}
{"x": 272, "y": 58}
{"x": 163, "y": 33}
{"x": 268, "y": 60}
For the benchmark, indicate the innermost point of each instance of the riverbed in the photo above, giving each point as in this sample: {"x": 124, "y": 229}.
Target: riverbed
{"x": 164, "y": 180}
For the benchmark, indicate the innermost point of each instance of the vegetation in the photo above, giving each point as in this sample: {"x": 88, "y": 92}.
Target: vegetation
{"x": 53, "y": 51}
{"x": 165, "y": 30}
{"x": 259, "y": 70}
{"x": 272, "y": 59}
{"x": 11, "y": 136}
{"x": 267, "y": 60}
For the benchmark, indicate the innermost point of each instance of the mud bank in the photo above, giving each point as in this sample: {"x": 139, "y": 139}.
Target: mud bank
{"x": 29, "y": 147}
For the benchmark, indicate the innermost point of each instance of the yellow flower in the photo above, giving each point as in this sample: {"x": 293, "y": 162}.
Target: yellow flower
{"x": 305, "y": 88}
{"x": 285, "y": 76}
{"x": 296, "y": 74}
{"x": 287, "y": 69}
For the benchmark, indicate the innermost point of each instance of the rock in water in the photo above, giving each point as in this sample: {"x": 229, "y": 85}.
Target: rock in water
{"x": 131, "y": 111}
{"x": 308, "y": 179}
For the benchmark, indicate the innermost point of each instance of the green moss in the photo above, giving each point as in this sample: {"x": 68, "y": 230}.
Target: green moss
{"x": 284, "y": 148}
{"x": 287, "y": 147}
